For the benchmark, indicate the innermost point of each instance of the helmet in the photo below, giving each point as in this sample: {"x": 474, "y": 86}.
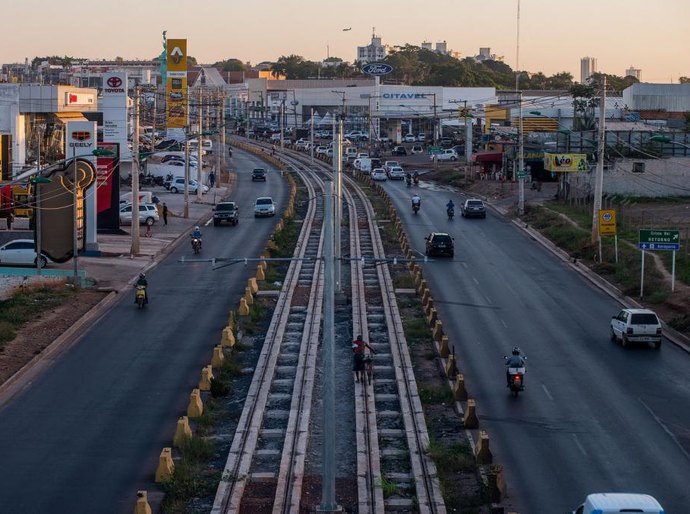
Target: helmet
{"x": 196, "y": 228}
{"x": 141, "y": 275}
{"x": 359, "y": 337}
{"x": 516, "y": 351}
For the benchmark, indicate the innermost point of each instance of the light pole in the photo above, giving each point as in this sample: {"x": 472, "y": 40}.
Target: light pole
{"x": 435, "y": 138}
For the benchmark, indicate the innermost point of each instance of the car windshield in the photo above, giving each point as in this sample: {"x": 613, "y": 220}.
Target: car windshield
{"x": 442, "y": 238}
{"x": 475, "y": 203}
{"x": 264, "y": 201}
{"x": 646, "y": 318}
{"x": 225, "y": 207}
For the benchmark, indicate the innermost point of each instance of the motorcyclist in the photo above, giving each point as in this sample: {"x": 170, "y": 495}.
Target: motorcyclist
{"x": 450, "y": 205}
{"x": 416, "y": 200}
{"x": 141, "y": 281}
{"x": 196, "y": 234}
{"x": 514, "y": 361}
{"x": 415, "y": 177}
{"x": 408, "y": 178}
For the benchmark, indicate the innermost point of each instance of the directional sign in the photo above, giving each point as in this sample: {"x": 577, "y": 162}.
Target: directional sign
{"x": 653, "y": 239}
{"x": 432, "y": 150}
{"x": 522, "y": 174}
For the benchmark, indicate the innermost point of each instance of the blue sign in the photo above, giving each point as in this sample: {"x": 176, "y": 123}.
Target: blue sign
{"x": 377, "y": 69}
{"x": 659, "y": 246}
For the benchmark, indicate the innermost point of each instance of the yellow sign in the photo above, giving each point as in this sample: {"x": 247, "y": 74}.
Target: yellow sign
{"x": 566, "y": 162}
{"x": 176, "y": 88}
{"x": 607, "y": 222}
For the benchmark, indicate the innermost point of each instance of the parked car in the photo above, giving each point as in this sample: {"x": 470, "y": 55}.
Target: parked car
{"x": 439, "y": 243}
{"x": 396, "y": 173}
{"x": 21, "y": 252}
{"x": 614, "y": 503}
{"x": 320, "y": 150}
{"x": 636, "y": 326}
{"x": 258, "y": 174}
{"x": 421, "y": 138}
{"x": 447, "y": 154}
{"x": 410, "y": 138}
{"x": 399, "y": 150}
{"x": 177, "y": 186}
{"x": 378, "y": 174}
{"x": 226, "y": 211}
{"x": 264, "y": 206}
{"x": 473, "y": 207}
{"x": 416, "y": 149}
{"x": 148, "y": 214}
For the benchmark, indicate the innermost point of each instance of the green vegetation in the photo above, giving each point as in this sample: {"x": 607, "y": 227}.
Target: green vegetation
{"x": 436, "y": 394}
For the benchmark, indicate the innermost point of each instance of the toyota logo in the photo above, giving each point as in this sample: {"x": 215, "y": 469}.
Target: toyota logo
{"x": 114, "y": 81}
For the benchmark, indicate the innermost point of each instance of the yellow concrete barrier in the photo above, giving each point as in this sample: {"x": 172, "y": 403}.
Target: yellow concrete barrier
{"x": 196, "y": 406}
{"x": 482, "y": 452}
{"x": 205, "y": 380}
{"x": 444, "y": 347}
{"x": 429, "y": 306}
{"x": 451, "y": 366}
{"x": 432, "y": 317}
{"x": 182, "y": 431}
{"x": 227, "y": 338}
{"x": 496, "y": 483}
{"x": 252, "y": 285}
{"x": 248, "y": 296}
{"x": 142, "y": 506}
{"x": 438, "y": 330}
{"x": 425, "y": 296}
{"x": 459, "y": 391}
{"x": 471, "y": 420}
{"x": 422, "y": 286}
{"x": 279, "y": 225}
{"x": 244, "y": 307}
{"x": 166, "y": 467}
{"x": 218, "y": 357}
{"x": 262, "y": 263}
{"x": 408, "y": 253}
{"x": 232, "y": 320}
{"x": 260, "y": 275}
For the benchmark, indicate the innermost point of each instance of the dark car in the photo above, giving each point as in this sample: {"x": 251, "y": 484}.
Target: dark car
{"x": 399, "y": 150}
{"x": 439, "y": 243}
{"x": 226, "y": 211}
{"x": 473, "y": 207}
{"x": 259, "y": 174}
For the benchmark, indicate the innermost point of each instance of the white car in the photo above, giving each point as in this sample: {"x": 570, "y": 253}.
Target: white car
{"x": 148, "y": 214}
{"x": 378, "y": 174}
{"x": 389, "y": 164}
{"x": 410, "y": 138}
{"x": 264, "y": 206}
{"x": 636, "y": 326}
{"x": 416, "y": 149}
{"x": 21, "y": 252}
{"x": 177, "y": 186}
{"x": 446, "y": 155}
{"x": 396, "y": 173}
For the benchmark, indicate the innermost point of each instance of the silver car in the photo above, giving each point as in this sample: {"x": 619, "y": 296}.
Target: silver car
{"x": 148, "y": 214}
{"x": 264, "y": 206}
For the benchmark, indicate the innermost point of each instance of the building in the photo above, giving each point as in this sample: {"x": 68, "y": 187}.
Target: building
{"x": 486, "y": 55}
{"x": 373, "y": 52}
{"x": 588, "y": 67}
{"x": 633, "y": 72}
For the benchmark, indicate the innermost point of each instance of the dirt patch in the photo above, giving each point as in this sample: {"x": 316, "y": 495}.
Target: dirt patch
{"x": 35, "y": 336}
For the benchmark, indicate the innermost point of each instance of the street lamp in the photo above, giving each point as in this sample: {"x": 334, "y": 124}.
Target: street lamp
{"x": 435, "y": 138}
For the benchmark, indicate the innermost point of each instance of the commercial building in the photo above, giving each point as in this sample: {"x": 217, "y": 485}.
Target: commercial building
{"x": 374, "y": 51}
{"x": 588, "y": 67}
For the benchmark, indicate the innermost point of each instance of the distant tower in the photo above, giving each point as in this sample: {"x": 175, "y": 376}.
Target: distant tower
{"x": 374, "y": 51}
{"x": 442, "y": 47}
{"x": 426, "y": 45}
{"x": 588, "y": 67}
{"x": 633, "y": 72}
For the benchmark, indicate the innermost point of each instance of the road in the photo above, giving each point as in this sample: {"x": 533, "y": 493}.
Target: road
{"x": 86, "y": 434}
{"x": 595, "y": 417}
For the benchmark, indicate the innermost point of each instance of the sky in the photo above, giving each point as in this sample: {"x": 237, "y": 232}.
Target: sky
{"x": 653, "y": 36}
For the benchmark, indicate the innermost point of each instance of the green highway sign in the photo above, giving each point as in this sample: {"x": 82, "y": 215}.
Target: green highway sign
{"x": 432, "y": 150}
{"x": 522, "y": 174}
{"x": 659, "y": 239}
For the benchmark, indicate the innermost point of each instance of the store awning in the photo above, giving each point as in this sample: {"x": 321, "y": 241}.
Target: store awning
{"x": 64, "y": 117}
{"x": 488, "y": 157}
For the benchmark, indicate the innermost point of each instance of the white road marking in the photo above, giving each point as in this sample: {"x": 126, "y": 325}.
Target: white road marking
{"x": 488, "y": 300}
{"x": 475, "y": 280}
{"x": 579, "y": 445}
{"x": 665, "y": 429}
{"x": 208, "y": 222}
{"x": 504, "y": 323}
{"x": 464, "y": 264}
{"x": 547, "y": 392}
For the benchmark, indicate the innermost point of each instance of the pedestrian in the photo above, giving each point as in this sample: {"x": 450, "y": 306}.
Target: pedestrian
{"x": 165, "y": 214}
{"x": 148, "y": 231}
{"x": 358, "y": 362}
{"x": 10, "y": 219}
{"x": 211, "y": 178}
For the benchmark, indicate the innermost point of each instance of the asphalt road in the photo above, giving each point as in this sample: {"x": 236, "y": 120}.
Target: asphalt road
{"x": 87, "y": 433}
{"x": 595, "y": 417}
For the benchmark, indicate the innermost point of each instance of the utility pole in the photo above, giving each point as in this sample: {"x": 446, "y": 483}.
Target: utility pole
{"x": 37, "y": 216}
{"x": 186, "y": 170}
{"x": 311, "y": 138}
{"x": 338, "y": 206}
{"x": 599, "y": 179}
{"x": 468, "y": 135}
{"x": 219, "y": 149}
{"x": 435, "y": 122}
{"x": 282, "y": 127}
{"x": 200, "y": 147}
{"x": 521, "y": 163}
{"x": 222, "y": 129}
{"x": 134, "y": 251}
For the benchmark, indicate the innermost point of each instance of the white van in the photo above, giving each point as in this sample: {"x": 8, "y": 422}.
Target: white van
{"x": 206, "y": 145}
{"x": 615, "y": 503}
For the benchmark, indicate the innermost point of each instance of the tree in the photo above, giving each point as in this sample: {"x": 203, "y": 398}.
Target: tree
{"x": 584, "y": 103}
{"x": 230, "y": 65}
{"x": 296, "y": 67}
{"x": 684, "y": 80}
{"x": 562, "y": 80}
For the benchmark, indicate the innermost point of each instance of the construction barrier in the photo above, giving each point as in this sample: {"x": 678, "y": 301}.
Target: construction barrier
{"x": 196, "y": 406}
{"x": 260, "y": 275}
{"x": 205, "y": 380}
{"x": 444, "y": 347}
{"x": 482, "y": 452}
{"x": 218, "y": 357}
{"x": 142, "y": 506}
{"x": 182, "y": 431}
{"x": 227, "y": 338}
{"x": 244, "y": 307}
{"x": 166, "y": 467}
{"x": 252, "y": 285}
{"x": 451, "y": 367}
{"x": 248, "y": 296}
{"x": 437, "y": 332}
{"x": 471, "y": 420}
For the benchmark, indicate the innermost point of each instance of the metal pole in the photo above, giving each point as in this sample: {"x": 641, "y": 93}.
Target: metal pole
{"x": 38, "y": 205}
{"x": 599, "y": 179}
{"x": 186, "y": 171}
{"x": 435, "y": 122}
{"x": 200, "y": 148}
{"x": 134, "y": 250}
{"x": 75, "y": 235}
{"x": 222, "y": 128}
{"x": 328, "y": 451}
{"x": 642, "y": 276}
{"x": 311, "y": 137}
{"x": 219, "y": 148}
{"x": 521, "y": 164}
{"x": 282, "y": 128}
{"x": 338, "y": 206}
{"x": 468, "y": 137}
{"x": 673, "y": 272}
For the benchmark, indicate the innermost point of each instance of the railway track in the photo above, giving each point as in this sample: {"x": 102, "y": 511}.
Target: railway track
{"x": 266, "y": 463}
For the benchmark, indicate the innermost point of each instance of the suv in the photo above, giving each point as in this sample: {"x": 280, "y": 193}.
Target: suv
{"x": 446, "y": 155}
{"x": 439, "y": 243}
{"x": 177, "y": 185}
{"x": 259, "y": 174}
{"x": 264, "y": 206}
{"x": 636, "y": 326}
{"x": 473, "y": 207}
{"x": 148, "y": 214}
{"x": 226, "y": 211}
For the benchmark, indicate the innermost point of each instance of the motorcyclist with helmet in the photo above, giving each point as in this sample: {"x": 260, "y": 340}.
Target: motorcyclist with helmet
{"x": 415, "y": 177}
{"x": 416, "y": 202}
{"x": 196, "y": 234}
{"x": 514, "y": 361}
{"x": 142, "y": 282}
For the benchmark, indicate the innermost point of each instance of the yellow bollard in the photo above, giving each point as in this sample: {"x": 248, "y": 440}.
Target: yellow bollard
{"x": 425, "y": 296}
{"x": 196, "y": 406}
{"x": 483, "y": 454}
{"x": 260, "y": 275}
{"x": 470, "y": 419}
{"x": 429, "y": 306}
{"x": 244, "y": 307}
{"x": 218, "y": 357}
{"x": 444, "y": 348}
{"x": 422, "y": 286}
{"x": 432, "y": 317}
{"x": 252, "y": 285}
{"x": 262, "y": 263}
{"x": 249, "y": 298}
{"x": 438, "y": 330}
{"x": 459, "y": 391}
{"x": 205, "y": 380}
{"x": 182, "y": 431}
{"x": 451, "y": 367}
{"x": 227, "y": 338}
{"x": 166, "y": 467}
{"x": 142, "y": 506}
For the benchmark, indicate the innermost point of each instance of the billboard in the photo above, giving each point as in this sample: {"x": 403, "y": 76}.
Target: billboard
{"x": 108, "y": 188}
{"x": 566, "y": 162}
{"x": 114, "y": 107}
{"x": 176, "y": 90}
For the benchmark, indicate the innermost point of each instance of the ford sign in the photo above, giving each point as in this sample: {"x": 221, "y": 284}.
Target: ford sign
{"x": 377, "y": 69}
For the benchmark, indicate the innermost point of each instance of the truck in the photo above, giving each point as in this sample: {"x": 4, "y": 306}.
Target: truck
{"x": 226, "y": 211}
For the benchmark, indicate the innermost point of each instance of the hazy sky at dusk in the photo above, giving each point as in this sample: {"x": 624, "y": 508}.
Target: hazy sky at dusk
{"x": 554, "y": 34}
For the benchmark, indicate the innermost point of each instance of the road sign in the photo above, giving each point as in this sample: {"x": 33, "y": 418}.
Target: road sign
{"x": 522, "y": 174}
{"x": 433, "y": 150}
{"x": 607, "y": 222}
{"x": 653, "y": 239}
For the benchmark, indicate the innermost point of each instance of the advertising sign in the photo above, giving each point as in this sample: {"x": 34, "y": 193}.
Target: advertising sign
{"x": 566, "y": 162}
{"x": 377, "y": 69}
{"x": 74, "y": 99}
{"x": 176, "y": 88}
{"x": 114, "y": 108}
{"x": 607, "y": 222}
{"x": 108, "y": 188}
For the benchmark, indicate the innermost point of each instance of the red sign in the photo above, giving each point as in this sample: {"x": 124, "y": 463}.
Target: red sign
{"x": 114, "y": 82}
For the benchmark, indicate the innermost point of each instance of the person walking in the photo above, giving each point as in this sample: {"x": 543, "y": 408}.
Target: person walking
{"x": 165, "y": 214}
{"x": 211, "y": 179}
{"x": 358, "y": 347}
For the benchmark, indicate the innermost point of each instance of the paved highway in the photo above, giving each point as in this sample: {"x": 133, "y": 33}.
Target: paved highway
{"x": 86, "y": 434}
{"x": 595, "y": 417}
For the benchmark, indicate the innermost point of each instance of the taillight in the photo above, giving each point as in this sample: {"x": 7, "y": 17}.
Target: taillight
{"x": 629, "y": 330}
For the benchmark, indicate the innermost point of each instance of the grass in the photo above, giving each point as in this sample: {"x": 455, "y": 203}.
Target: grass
{"x": 440, "y": 394}
{"x": 388, "y": 486}
{"x": 252, "y": 323}
{"x": 452, "y": 457}
{"x": 416, "y": 329}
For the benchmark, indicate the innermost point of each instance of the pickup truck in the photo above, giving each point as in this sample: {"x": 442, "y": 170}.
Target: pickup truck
{"x": 226, "y": 211}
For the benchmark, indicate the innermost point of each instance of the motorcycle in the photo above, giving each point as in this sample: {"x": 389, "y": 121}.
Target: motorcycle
{"x": 140, "y": 296}
{"x": 516, "y": 379}
{"x": 451, "y": 213}
{"x": 416, "y": 180}
{"x": 196, "y": 245}
{"x": 409, "y": 182}
{"x": 415, "y": 208}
